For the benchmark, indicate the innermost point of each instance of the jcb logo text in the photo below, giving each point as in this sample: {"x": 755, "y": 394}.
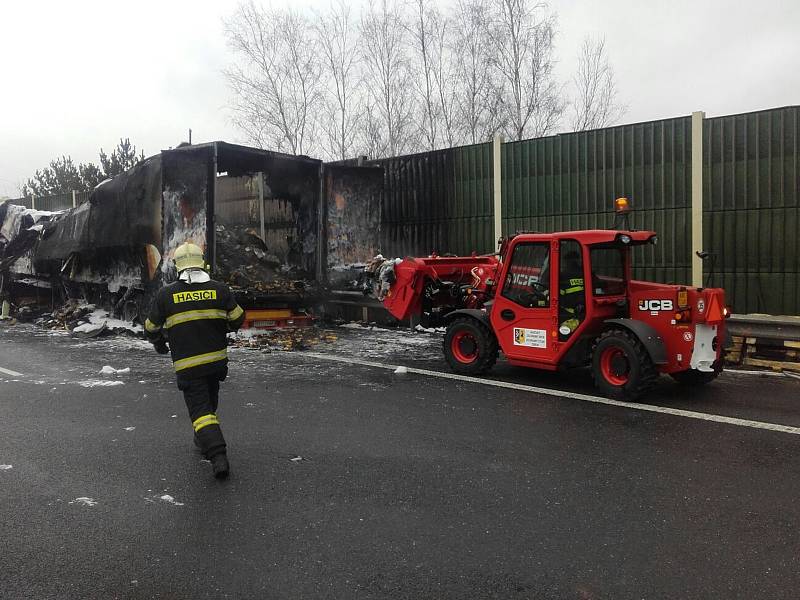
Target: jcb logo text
{"x": 655, "y": 305}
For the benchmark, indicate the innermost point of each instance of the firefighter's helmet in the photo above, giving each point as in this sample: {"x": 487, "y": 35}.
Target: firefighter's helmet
{"x": 189, "y": 256}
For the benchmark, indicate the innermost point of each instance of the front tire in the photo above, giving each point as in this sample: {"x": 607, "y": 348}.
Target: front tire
{"x": 621, "y": 366}
{"x": 470, "y": 348}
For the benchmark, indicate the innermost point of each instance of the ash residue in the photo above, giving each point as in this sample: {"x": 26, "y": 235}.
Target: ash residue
{"x": 243, "y": 260}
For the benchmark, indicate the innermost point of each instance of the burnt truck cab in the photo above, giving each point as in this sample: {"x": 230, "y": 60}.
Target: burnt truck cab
{"x": 560, "y": 296}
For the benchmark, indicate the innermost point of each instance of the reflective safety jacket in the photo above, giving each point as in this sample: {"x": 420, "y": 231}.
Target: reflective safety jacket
{"x": 572, "y": 293}
{"x": 195, "y": 318}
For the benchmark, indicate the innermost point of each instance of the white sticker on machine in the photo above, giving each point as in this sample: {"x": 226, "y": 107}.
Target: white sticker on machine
{"x": 532, "y": 338}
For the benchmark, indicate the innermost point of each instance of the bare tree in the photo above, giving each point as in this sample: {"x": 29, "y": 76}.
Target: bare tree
{"x": 389, "y": 77}
{"x": 372, "y": 137}
{"x": 277, "y": 85}
{"x": 445, "y": 80}
{"x": 596, "y": 103}
{"x": 422, "y": 27}
{"x": 524, "y": 35}
{"x": 477, "y": 94}
{"x": 339, "y": 45}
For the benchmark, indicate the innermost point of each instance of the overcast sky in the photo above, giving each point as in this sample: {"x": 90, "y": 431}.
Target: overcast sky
{"x": 77, "y": 76}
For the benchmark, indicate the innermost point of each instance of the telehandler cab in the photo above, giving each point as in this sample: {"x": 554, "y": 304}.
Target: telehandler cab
{"x": 560, "y": 300}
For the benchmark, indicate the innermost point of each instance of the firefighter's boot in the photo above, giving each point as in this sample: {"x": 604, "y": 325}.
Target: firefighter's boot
{"x": 220, "y": 466}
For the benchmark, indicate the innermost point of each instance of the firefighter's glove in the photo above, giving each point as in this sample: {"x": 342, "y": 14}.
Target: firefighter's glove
{"x": 161, "y": 346}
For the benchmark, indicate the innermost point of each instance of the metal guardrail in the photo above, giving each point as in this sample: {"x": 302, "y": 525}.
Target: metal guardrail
{"x": 784, "y": 328}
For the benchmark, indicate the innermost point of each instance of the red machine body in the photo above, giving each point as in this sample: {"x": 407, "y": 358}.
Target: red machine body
{"x": 566, "y": 299}
{"x": 438, "y": 285}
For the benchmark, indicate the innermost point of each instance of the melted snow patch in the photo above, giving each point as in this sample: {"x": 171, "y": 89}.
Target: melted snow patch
{"x": 357, "y": 326}
{"x": 101, "y": 317}
{"x": 89, "y": 328}
{"x": 170, "y": 500}
{"x": 6, "y": 467}
{"x": 129, "y": 428}
{"x": 109, "y": 370}
{"x": 90, "y": 383}
{"x": 84, "y": 501}
{"x": 422, "y": 329}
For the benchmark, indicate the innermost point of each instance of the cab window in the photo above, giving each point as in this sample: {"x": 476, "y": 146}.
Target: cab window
{"x": 527, "y": 280}
{"x": 608, "y": 271}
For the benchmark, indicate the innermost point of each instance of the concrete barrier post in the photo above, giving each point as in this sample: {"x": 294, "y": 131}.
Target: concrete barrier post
{"x": 497, "y": 172}
{"x": 697, "y": 197}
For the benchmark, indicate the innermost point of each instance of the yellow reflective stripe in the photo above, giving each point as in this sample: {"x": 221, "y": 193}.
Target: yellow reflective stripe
{"x": 194, "y": 315}
{"x": 200, "y": 359}
{"x": 204, "y": 421}
{"x": 235, "y": 313}
{"x": 150, "y": 326}
{"x": 572, "y": 290}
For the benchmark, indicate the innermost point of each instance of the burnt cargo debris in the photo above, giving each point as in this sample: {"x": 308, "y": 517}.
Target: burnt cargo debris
{"x": 116, "y": 249}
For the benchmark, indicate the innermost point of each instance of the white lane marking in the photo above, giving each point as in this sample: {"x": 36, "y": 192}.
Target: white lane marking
{"x": 677, "y": 412}
{"x": 750, "y": 372}
{"x": 10, "y": 372}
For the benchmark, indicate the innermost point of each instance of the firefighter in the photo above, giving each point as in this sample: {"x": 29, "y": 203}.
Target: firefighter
{"x": 571, "y": 293}
{"x": 191, "y": 318}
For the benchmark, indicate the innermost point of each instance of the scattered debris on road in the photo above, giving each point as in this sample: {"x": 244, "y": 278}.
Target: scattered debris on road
{"x": 302, "y": 338}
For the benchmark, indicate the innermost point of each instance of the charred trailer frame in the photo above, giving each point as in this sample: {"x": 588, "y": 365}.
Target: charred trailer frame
{"x": 116, "y": 249}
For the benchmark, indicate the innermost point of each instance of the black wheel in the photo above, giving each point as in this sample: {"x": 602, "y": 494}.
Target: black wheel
{"x": 470, "y": 348}
{"x": 693, "y": 377}
{"x": 621, "y": 365}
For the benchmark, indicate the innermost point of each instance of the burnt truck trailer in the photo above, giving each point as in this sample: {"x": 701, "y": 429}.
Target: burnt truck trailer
{"x": 260, "y": 216}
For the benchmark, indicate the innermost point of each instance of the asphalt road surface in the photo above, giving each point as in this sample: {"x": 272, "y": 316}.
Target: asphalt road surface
{"x": 351, "y": 481}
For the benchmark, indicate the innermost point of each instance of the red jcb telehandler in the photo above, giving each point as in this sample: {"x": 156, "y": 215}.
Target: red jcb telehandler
{"x": 558, "y": 300}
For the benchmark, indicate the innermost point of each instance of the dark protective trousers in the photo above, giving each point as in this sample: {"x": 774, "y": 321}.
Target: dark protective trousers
{"x": 202, "y": 399}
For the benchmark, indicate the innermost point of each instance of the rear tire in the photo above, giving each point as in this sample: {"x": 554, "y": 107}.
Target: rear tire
{"x": 621, "y": 366}
{"x": 694, "y": 378}
{"x": 470, "y": 347}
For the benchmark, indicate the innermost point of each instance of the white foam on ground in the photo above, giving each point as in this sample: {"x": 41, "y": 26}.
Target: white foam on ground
{"x": 100, "y": 316}
{"x": 422, "y": 329}
{"x": 88, "y": 327}
{"x": 90, "y": 383}
{"x": 129, "y": 428}
{"x": 109, "y": 370}
{"x": 84, "y": 501}
{"x": 6, "y": 467}
{"x": 401, "y": 370}
{"x": 170, "y": 500}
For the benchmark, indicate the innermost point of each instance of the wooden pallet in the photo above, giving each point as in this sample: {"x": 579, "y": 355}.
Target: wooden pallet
{"x": 765, "y": 353}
